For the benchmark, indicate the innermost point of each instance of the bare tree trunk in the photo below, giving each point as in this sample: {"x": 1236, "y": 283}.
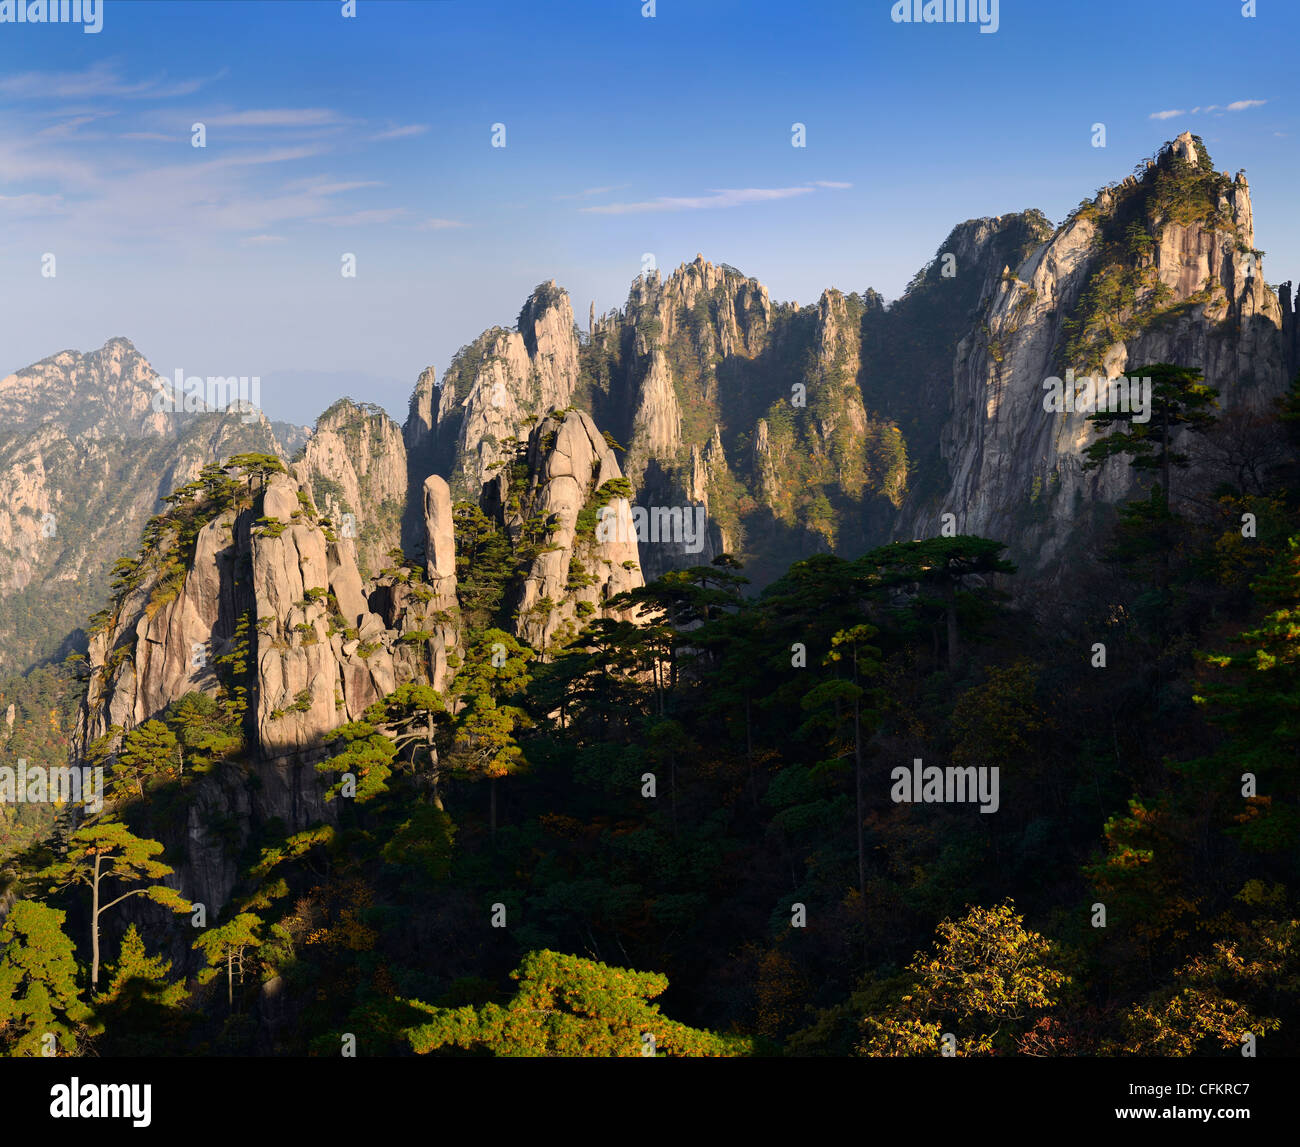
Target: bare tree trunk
{"x": 94, "y": 925}
{"x": 950, "y": 595}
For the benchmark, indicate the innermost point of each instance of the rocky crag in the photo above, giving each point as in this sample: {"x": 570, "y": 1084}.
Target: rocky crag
{"x": 1161, "y": 267}
{"x": 313, "y": 589}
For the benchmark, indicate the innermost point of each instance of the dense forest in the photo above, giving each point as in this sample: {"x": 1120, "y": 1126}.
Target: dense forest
{"x": 687, "y": 835}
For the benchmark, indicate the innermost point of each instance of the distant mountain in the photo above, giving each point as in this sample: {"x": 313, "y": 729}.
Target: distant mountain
{"x": 85, "y": 459}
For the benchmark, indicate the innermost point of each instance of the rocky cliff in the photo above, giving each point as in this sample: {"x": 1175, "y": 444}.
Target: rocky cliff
{"x": 1161, "y": 267}
{"x": 565, "y": 507}
{"x": 355, "y": 465}
{"x": 840, "y": 425}
{"x": 496, "y": 388}
{"x": 250, "y": 598}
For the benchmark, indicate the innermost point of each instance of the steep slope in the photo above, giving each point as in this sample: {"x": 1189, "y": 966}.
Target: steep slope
{"x": 496, "y": 388}
{"x": 564, "y": 508}
{"x": 355, "y": 464}
{"x": 1159, "y": 268}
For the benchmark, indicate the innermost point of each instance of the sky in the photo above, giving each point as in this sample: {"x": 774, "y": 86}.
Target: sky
{"x": 625, "y": 135}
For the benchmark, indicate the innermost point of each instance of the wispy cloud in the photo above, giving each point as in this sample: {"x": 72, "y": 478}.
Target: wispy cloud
{"x": 275, "y": 117}
{"x": 716, "y": 198}
{"x": 1235, "y": 106}
{"x": 402, "y": 131}
{"x": 256, "y": 158}
{"x": 260, "y": 240}
{"x": 835, "y": 183}
{"x": 439, "y": 224}
{"x": 68, "y": 126}
{"x": 30, "y": 206}
{"x": 590, "y": 191}
{"x": 315, "y": 185}
{"x": 101, "y": 80}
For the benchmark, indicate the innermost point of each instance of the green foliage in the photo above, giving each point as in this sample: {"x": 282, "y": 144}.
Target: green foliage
{"x": 38, "y": 982}
{"x": 362, "y": 752}
{"x": 150, "y": 754}
{"x": 568, "y": 1006}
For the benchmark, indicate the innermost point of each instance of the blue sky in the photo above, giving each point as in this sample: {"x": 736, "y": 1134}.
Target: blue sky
{"x": 624, "y": 135}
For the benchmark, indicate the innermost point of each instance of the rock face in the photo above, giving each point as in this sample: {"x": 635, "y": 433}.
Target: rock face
{"x": 841, "y": 425}
{"x": 84, "y": 460}
{"x": 356, "y": 466}
{"x": 591, "y": 551}
{"x": 313, "y": 643}
{"x": 1168, "y": 261}
{"x": 683, "y": 376}
{"x": 499, "y": 385}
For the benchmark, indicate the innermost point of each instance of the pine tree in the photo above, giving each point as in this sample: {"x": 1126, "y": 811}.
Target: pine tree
{"x": 486, "y": 722}
{"x": 568, "y": 1006}
{"x": 38, "y": 981}
{"x": 227, "y": 944}
{"x": 109, "y": 850}
{"x": 149, "y": 753}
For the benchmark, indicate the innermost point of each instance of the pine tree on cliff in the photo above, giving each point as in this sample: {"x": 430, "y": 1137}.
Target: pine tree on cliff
{"x": 1179, "y": 401}
{"x": 109, "y": 850}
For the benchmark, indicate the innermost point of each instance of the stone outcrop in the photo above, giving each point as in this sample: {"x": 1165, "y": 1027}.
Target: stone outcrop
{"x": 274, "y": 585}
{"x": 500, "y": 385}
{"x": 355, "y": 464}
{"x": 590, "y": 553}
{"x": 1016, "y": 468}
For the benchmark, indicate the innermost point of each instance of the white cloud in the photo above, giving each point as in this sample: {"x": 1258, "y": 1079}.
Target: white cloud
{"x": 1235, "y": 106}
{"x": 68, "y": 126}
{"x": 30, "y": 206}
{"x": 439, "y": 224}
{"x": 315, "y": 186}
{"x": 258, "y": 240}
{"x": 835, "y": 183}
{"x": 720, "y": 197}
{"x": 402, "y": 132}
{"x": 102, "y": 79}
{"x": 590, "y": 191}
